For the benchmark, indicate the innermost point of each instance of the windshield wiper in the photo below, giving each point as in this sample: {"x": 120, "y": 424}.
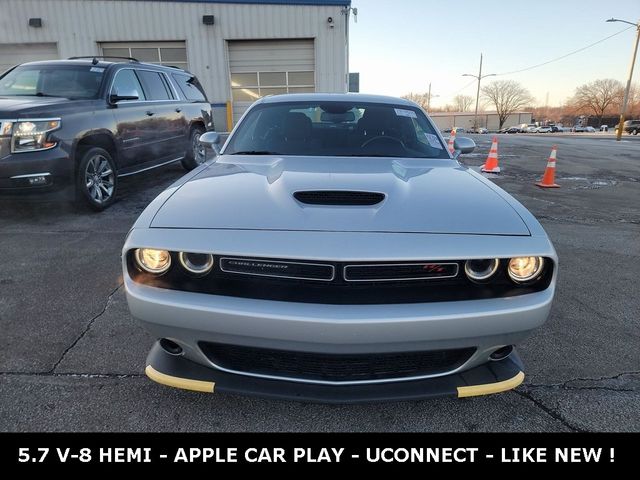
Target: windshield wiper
{"x": 37, "y": 94}
{"x": 254, "y": 152}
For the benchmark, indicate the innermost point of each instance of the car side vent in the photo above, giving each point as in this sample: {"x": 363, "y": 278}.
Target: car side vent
{"x": 338, "y": 197}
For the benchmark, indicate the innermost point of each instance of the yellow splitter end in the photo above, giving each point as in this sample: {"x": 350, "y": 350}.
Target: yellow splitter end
{"x": 177, "y": 382}
{"x": 489, "y": 388}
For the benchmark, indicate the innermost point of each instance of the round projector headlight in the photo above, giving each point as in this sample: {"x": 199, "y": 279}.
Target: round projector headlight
{"x": 525, "y": 269}
{"x": 482, "y": 269}
{"x": 196, "y": 263}
{"x": 153, "y": 261}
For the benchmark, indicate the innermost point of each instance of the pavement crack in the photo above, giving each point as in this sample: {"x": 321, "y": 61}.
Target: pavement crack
{"x": 72, "y": 375}
{"x": 565, "y": 385}
{"x": 86, "y": 329}
{"x": 549, "y": 411}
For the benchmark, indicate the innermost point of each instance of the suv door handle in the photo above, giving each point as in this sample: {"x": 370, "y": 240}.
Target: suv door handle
{"x": 149, "y": 113}
{"x": 178, "y": 110}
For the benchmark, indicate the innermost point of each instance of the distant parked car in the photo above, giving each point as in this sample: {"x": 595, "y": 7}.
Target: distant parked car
{"x": 531, "y": 129}
{"x": 579, "y": 129}
{"x": 510, "y": 130}
{"x": 632, "y": 127}
{"x": 478, "y": 130}
{"x": 555, "y": 129}
{"x": 543, "y": 129}
{"x": 79, "y": 124}
{"x": 590, "y": 129}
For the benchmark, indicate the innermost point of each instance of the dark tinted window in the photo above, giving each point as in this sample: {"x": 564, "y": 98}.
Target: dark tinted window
{"x": 126, "y": 83}
{"x": 53, "y": 81}
{"x": 190, "y": 87}
{"x": 337, "y": 129}
{"x": 154, "y": 85}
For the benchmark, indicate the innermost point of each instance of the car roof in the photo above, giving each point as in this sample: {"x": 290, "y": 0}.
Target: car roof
{"x": 102, "y": 63}
{"x": 336, "y": 97}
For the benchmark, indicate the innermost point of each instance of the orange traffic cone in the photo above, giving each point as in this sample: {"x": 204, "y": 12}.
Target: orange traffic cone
{"x": 549, "y": 177}
{"x": 452, "y": 138}
{"x": 491, "y": 165}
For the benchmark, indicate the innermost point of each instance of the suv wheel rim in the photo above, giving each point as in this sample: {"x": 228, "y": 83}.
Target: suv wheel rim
{"x": 99, "y": 179}
{"x": 198, "y": 150}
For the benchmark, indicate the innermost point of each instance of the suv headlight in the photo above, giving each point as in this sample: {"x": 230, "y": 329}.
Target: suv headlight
{"x": 31, "y": 135}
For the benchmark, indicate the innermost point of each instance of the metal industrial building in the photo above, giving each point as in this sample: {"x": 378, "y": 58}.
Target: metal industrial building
{"x": 488, "y": 120}
{"x": 240, "y": 50}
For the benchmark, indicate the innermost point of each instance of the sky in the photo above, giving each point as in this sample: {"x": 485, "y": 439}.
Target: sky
{"x": 401, "y": 46}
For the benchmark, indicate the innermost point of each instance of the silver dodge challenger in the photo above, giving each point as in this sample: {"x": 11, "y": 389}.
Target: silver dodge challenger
{"x": 335, "y": 250}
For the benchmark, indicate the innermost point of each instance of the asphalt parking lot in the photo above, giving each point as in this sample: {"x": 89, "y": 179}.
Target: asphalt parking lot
{"x": 71, "y": 357}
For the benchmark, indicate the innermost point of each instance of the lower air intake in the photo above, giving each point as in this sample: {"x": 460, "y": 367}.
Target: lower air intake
{"x": 334, "y": 367}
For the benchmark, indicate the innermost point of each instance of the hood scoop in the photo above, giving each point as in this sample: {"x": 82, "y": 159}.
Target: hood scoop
{"x": 339, "y": 197}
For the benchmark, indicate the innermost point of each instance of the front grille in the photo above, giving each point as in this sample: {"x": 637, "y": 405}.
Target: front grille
{"x": 277, "y": 269}
{"x": 399, "y": 271}
{"x": 334, "y": 367}
{"x": 339, "y": 197}
{"x": 336, "y": 283}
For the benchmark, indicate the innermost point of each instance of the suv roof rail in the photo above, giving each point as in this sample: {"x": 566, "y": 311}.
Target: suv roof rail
{"x": 96, "y": 57}
{"x": 173, "y": 66}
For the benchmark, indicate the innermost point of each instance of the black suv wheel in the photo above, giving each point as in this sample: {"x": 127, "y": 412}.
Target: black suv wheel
{"x": 96, "y": 179}
{"x": 195, "y": 155}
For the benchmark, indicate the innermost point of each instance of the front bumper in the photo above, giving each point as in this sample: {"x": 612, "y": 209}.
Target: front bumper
{"x": 179, "y": 372}
{"x": 54, "y": 165}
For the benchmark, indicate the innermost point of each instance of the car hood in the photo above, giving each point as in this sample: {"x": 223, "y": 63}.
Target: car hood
{"x": 15, "y": 106}
{"x": 421, "y": 196}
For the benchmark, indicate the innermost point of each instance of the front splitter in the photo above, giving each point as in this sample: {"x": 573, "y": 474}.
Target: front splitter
{"x": 179, "y": 372}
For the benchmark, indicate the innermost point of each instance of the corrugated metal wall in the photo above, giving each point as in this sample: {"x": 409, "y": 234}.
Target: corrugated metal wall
{"x": 79, "y": 26}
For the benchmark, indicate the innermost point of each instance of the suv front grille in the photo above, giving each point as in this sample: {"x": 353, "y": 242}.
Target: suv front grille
{"x": 326, "y": 367}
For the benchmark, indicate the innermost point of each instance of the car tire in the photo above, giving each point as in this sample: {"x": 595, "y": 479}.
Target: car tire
{"x": 194, "y": 156}
{"x": 635, "y": 132}
{"x": 96, "y": 179}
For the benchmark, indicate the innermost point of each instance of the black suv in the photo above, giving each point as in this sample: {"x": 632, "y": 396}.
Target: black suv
{"x": 77, "y": 125}
{"x": 632, "y": 127}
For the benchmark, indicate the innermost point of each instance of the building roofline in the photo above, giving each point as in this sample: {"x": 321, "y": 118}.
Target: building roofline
{"x": 311, "y": 3}
{"x": 471, "y": 114}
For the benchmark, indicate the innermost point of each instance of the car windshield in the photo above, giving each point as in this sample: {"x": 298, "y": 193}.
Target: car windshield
{"x": 67, "y": 81}
{"x": 353, "y": 129}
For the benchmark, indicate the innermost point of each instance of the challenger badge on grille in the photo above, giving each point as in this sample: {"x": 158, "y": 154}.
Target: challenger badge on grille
{"x": 281, "y": 269}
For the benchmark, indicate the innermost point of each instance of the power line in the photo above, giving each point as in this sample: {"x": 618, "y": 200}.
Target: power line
{"x": 567, "y": 55}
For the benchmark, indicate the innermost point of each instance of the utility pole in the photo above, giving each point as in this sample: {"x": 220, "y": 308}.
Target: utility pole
{"x": 479, "y": 77}
{"x": 623, "y": 111}
{"x": 429, "y": 98}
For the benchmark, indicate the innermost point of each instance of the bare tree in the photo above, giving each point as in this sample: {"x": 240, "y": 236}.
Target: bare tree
{"x": 507, "y": 96}
{"x": 421, "y": 99}
{"x": 598, "y": 96}
{"x": 463, "y": 102}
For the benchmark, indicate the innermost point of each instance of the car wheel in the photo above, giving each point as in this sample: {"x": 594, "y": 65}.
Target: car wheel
{"x": 96, "y": 180}
{"x": 635, "y": 132}
{"x": 195, "y": 155}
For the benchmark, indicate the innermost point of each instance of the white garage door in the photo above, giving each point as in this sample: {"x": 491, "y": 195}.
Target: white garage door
{"x": 14, "y": 53}
{"x": 269, "y": 67}
{"x": 160, "y": 53}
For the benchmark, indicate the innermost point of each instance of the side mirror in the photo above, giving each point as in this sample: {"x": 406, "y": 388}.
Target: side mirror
{"x": 464, "y": 145}
{"x": 210, "y": 140}
{"x": 119, "y": 97}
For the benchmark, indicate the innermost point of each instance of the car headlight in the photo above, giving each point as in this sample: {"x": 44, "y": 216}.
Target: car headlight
{"x": 196, "y": 263}
{"x": 525, "y": 269}
{"x": 481, "y": 270}
{"x": 32, "y": 135}
{"x": 153, "y": 261}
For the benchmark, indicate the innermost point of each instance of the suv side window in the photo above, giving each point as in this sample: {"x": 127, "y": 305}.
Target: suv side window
{"x": 127, "y": 83}
{"x": 154, "y": 85}
{"x": 190, "y": 87}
